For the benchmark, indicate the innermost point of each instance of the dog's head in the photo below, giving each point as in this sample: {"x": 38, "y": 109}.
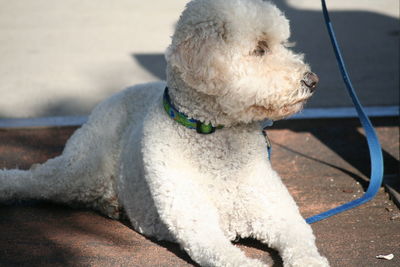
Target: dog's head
{"x": 237, "y": 51}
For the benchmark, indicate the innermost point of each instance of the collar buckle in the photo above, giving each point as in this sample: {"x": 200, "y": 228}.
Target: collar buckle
{"x": 181, "y": 118}
{"x": 202, "y": 128}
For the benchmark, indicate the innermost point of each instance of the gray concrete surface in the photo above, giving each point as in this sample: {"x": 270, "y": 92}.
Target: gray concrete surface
{"x": 60, "y": 58}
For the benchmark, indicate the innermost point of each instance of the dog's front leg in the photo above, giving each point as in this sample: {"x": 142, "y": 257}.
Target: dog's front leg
{"x": 274, "y": 219}
{"x": 192, "y": 219}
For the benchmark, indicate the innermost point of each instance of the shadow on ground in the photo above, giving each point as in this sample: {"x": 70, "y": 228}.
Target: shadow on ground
{"x": 347, "y": 140}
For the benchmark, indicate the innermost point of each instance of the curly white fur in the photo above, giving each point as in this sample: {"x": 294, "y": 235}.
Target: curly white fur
{"x": 228, "y": 64}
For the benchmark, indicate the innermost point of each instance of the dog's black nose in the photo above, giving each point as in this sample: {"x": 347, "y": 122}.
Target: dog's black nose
{"x": 310, "y": 79}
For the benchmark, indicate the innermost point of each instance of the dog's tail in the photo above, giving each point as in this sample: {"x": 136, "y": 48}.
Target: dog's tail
{"x": 71, "y": 178}
{"x": 83, "y": 175}
{"x": 41, "y": 181}
{"x": 87, "y": 170}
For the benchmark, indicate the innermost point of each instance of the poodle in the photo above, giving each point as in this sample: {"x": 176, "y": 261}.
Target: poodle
{"x": 185, "y": 160}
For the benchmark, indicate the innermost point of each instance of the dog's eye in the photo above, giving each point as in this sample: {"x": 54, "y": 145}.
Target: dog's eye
{"x": 261, "y": 49}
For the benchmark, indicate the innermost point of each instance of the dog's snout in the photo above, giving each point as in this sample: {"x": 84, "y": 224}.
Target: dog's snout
{"x": 310, "y": 79}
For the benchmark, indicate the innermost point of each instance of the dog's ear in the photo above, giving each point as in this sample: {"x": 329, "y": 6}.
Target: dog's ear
{"x": 194, "y": 53}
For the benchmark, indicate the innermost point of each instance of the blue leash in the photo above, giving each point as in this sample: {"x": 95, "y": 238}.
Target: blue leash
{"x": 375, "y": 150}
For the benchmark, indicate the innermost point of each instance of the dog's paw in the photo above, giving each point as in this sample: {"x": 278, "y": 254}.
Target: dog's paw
{"x": 309, "y": 262}
{"x": 251, "y": 263}
{"x": 239, "y": 263}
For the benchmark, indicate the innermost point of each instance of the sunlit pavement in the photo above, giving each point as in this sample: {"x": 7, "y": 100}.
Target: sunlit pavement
{"x": 60, "y": 58}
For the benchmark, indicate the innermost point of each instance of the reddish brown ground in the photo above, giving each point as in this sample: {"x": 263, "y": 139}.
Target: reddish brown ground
{"x": 323, "y": 162}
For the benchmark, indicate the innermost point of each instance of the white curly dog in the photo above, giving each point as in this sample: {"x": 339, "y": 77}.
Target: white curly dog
{"x": 186, "y": 160}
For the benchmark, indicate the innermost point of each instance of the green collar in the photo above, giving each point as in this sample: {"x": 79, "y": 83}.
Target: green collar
{"x": 183, "y": 119}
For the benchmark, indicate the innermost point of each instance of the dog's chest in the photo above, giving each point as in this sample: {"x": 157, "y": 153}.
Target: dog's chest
{"x": 226, "y": 155}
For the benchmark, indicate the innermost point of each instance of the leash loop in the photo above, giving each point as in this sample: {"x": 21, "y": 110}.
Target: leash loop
{"x": 374, "y": 146}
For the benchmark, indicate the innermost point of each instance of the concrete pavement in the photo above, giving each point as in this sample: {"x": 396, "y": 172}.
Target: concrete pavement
{"x": 60, "y": 58}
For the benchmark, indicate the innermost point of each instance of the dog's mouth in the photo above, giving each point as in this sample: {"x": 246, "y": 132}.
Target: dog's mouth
{"x": 265, "y": 109}
{"x": 261, "y": 109}
{"x": 273, "y": 113}
{"x": 289, "y": 108}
